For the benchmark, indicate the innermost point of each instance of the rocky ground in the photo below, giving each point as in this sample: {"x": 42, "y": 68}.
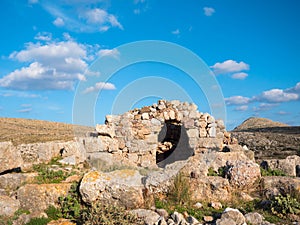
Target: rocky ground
{"x": 268, "y": 139}
{"x": 163, "y": 164}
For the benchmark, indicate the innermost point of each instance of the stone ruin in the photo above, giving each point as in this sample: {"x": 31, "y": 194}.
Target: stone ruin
{"x": 161, "y": 134}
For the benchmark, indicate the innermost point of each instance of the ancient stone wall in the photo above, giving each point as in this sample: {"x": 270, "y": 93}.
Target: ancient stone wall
{"x": 161, "y": 133}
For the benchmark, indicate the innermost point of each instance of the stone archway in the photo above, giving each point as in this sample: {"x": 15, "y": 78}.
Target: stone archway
{"x": 168, "y": 139}
{"x": 173, "y": 144}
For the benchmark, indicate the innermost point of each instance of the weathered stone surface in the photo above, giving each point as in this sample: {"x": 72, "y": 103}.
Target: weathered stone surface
{"x": 243, "y": 174}
{"x": 10, "y": 158}
{"x": 280, "y": 185}
{"x": 105, "y": 130}
{"x": 287, "y": 165}
{"x": 12, "y": 181}
{"x": 214, "y": 188}
{"x": 254, "y": 218}
{"x": 37, "y": 197}
{"x": 148, "y": 216}
{"x": 61, "y": 222}
{"x": 178, "y": 218}
{"x": 123, "y": 187}
{"x": 8, "y": 206}
{"x": 233, "y": 215}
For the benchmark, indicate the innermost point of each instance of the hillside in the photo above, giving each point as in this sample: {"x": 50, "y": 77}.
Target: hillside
{"x": 268, "y": 139}
{"x": 24, "y": 131}
{"x": 255, "y": 123}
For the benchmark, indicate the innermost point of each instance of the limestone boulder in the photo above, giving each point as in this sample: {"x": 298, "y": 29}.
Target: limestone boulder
{"x": 274, "y": 185}
{"x": 10, "y": 157}
{"x": 254, "y": 218}
{"x": 122, "y": 187}
{"x": 8, "y": 206}
{"x": 288, "y": 165}
{"x": 243, "y": 174}
{"x": 37, "y": 197}
{"x": 148, "y": 216}
{"x": 231, "y": 217}
{"x": 12, "y": 181}
{"x": 104, "y": 130}
{"x": 210, "y": 188}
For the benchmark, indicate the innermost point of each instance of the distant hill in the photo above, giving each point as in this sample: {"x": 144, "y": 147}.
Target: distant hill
{"x": 24, "y": 131}
{"x": 256, "y": 123}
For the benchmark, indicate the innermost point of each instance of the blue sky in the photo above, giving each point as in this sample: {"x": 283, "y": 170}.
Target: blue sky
{"x": 47, "y": 48}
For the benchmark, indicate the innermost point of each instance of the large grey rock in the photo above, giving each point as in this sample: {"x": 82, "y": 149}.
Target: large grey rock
{"x": 287, "y": 165}
{"x": 8, "y": 206}
{"x": 12, "y": 181}
{"x": 254, "y": 218}
{"x": 37, "y": 197}
{"x": 123, "y": 187}
{"x": 231, "y": 216}
{"x": 274, "y": 185}
{"x": 10, "y": 157}
{"x": 148, "y": 216}
{"x": 105, "y": 130}
{"x": 243, "y": 174}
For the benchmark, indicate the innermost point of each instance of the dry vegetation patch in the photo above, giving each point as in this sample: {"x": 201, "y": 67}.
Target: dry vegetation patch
{"x": 24, "y": 131}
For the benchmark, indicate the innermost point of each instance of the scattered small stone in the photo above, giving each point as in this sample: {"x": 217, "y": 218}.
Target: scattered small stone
{"x": 208, "y": 218}
{"x": 198, "y": 205}
{"x": 216, "y": 205}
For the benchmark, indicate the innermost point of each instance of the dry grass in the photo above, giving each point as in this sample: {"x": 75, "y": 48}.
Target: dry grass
{"x": 24, "y": 131}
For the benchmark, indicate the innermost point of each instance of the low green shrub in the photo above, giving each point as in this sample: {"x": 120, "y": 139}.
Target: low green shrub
{"x": 220, "y": 173}
{"x": 180, "y": 192}
{"x": 269, "y": 172}
{"x": 284, "y": 205}
{"x": 38, "y": 221}
{"x": 106, "y": 214}
{"x": 71, "y": 205}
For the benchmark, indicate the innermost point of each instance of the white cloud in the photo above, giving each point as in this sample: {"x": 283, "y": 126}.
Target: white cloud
{"x": 59, "y": 22}
{"x": 18, "y": 94}
{"x": 139, "y": 1}
{"x": 100, "y": 18}
{"x": 43, "y": 36}
{"x": 241, "y": 108}
{"x": 264, "y": 107}
{"x": 99, "y": 86}
{"x": 55, "y": 65}
{"x": 282, "y": 113}
{"x": 81, "y": 16}
{"x": 229, "y": 66}
{"x": 237, "y": 100}
{"x": 114, "y": 53}
{"x": 26, "y": 110}
{"x": 209, "y": 11}
{"x": 239, "y": 76}
{"x": 277, "y": 95}
{"x": 176, "y": 32}
{"x": 25, "y": 105}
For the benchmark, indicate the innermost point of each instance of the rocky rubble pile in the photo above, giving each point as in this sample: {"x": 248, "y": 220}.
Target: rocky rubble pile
{"x": 229, "y": 216}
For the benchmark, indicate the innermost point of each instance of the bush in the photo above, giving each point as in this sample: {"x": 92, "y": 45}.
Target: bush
{"x": 38, "y": 221}
{"x": 269, "y": 172}
{"x": 179, "y": 192}
{"x": 221, "y": 171}
{"x": 47, "y": 175}
{"x": 108, "y": 215}
{"x": 284, "y": 205}
{"x": 70, "y": 206}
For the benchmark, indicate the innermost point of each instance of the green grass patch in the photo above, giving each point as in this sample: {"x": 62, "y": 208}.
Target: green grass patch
{"x": 270, "y": 172}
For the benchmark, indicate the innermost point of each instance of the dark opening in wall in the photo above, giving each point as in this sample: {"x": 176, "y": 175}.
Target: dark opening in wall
{"x": 168, "y": 138}
{"x": 173, "y": 144}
